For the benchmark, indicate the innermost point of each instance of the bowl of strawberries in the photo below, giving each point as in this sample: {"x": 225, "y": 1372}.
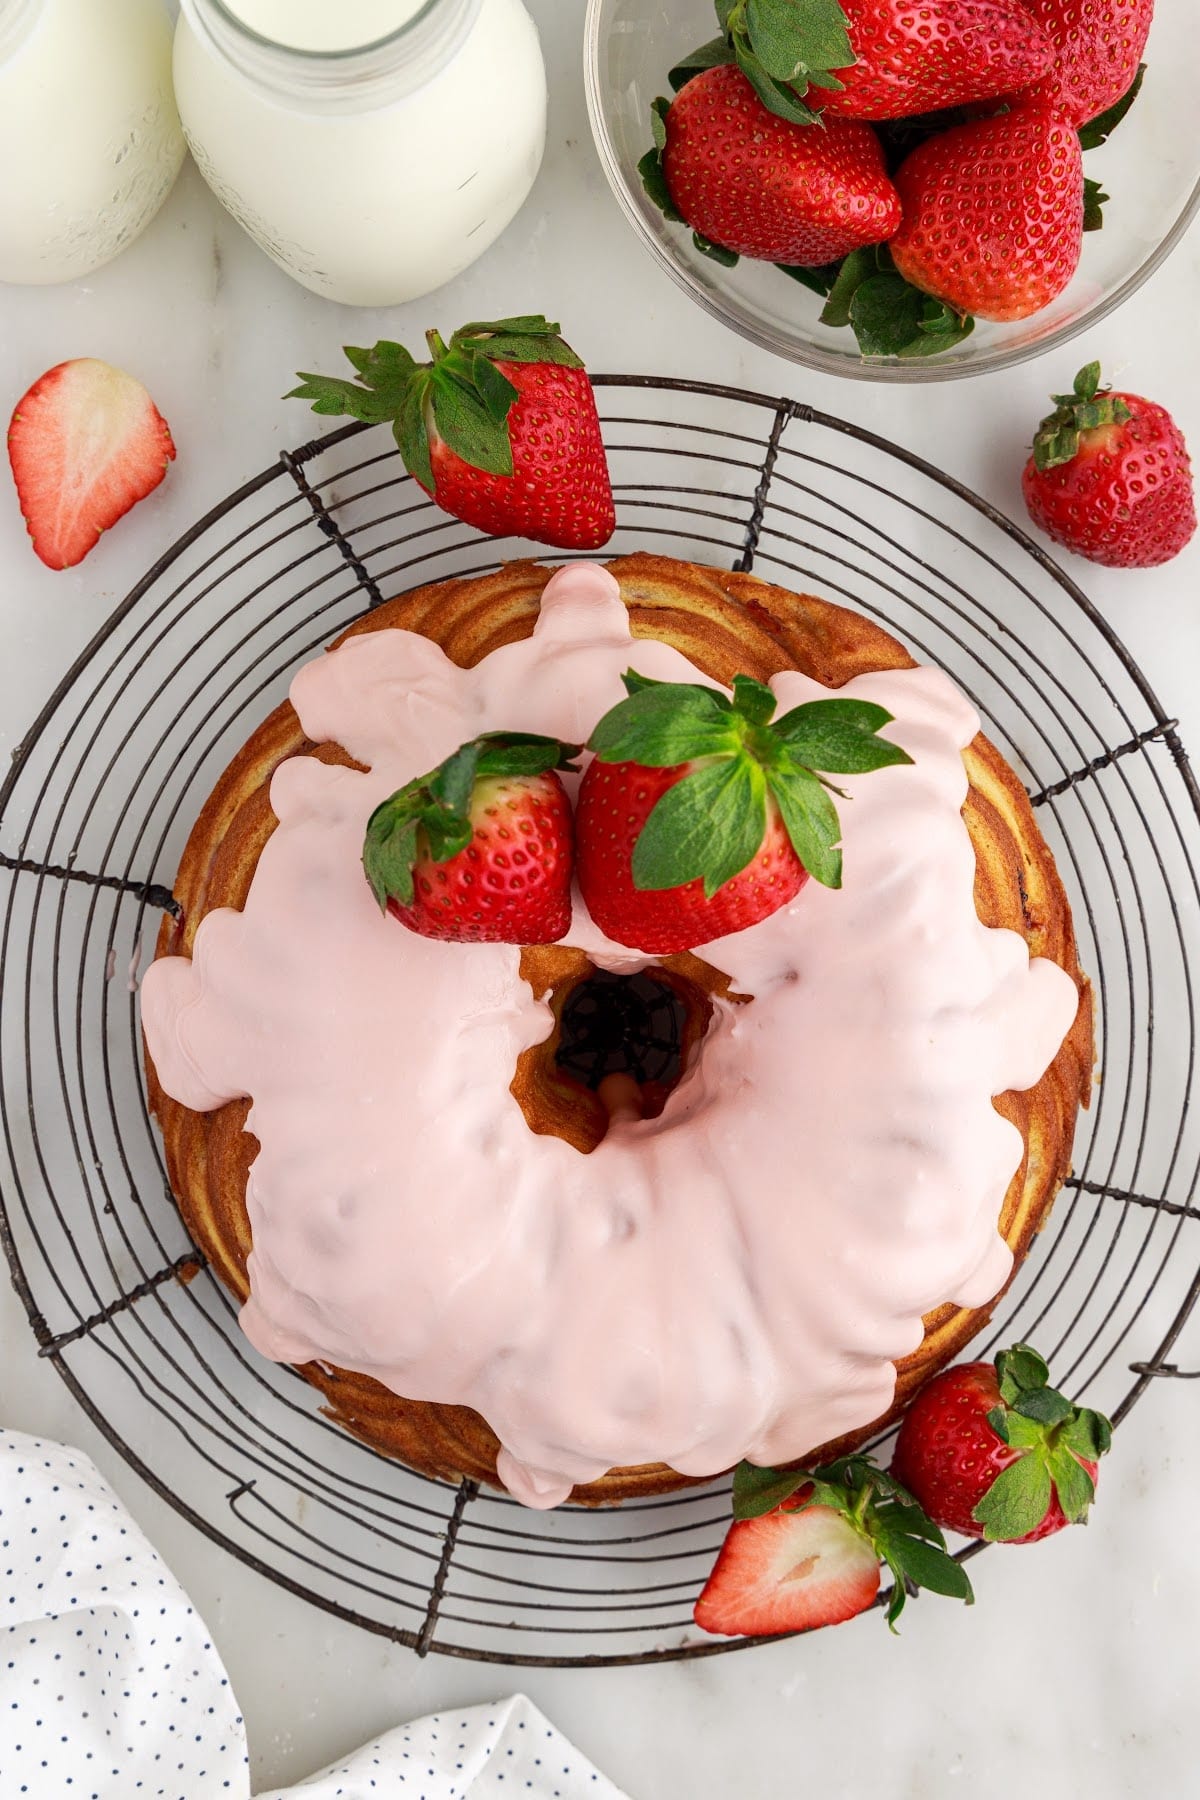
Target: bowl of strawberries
{"x": 896, "y": 191}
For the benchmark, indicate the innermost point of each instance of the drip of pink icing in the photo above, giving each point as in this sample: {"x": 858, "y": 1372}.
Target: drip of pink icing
{"x": 734, "y": 1278}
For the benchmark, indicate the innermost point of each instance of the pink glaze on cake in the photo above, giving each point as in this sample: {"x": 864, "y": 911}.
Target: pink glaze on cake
{"x": 735, "y": 1278}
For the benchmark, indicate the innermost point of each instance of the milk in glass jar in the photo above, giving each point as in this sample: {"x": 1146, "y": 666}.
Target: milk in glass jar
{"x": 89, "y": 136}
{"x": 372, "y": 148}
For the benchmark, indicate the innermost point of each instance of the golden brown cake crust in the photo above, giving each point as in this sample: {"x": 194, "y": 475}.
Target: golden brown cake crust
{"x": 726, "y": 623}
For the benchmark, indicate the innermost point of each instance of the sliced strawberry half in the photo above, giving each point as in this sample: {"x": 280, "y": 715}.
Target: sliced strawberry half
{"x": 806, "y": 1546}
{"x": 789, "y": 1571}
{"x": 85, "y": 443}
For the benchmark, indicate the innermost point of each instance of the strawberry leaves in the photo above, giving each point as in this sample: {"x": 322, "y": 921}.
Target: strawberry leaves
{"x": 782, "y": 47}
{"x": 882, "y": 1511}
{"x": 1089, "y": 407}
{"x": 1051, "y": 1435}
{"x": 838, "y": 736}
{"x": 1098, "y": 130}
{"x": 436, "y": 807}
{"x": 759, "y": 1490}
{"x": 888, "y": 315}
{"x": 1094, "y": 201}
{"x": 460, "y": 397}
{"x": 709, "y": 56}
{"x": 709, "y": 825}
{"x": 793, "y": 37}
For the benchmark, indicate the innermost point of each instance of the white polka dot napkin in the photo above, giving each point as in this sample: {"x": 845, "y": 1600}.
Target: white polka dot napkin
{"x": 502, "y": 1752}
{"x": 110, "y": 1688}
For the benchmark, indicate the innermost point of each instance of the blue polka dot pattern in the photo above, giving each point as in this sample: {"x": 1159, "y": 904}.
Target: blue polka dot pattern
{"x": 110, "y": 1688}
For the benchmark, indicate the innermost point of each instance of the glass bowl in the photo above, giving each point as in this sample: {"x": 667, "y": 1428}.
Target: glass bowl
{"x": 1151, "y": 168}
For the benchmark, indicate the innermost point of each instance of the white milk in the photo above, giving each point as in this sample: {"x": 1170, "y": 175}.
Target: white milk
{"x": 371, "y": 178}
{"x": 89, "y": 136}
{"x": 324, "y": 24}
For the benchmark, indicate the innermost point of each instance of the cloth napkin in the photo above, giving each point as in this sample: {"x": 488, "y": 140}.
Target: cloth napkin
{"x": 110, "y": 1688}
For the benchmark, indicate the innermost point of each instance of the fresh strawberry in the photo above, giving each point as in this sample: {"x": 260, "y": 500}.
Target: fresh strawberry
{"x": 805, "y": 1550}
{"x": 1110, "y": 477}
{"x": 993, "y": 214}
{"x": 479, "y": 851}
{"x": 789, "y": 1571}
{"x": 698, "y": 817}
{"x": 991, "y": 1451}
{"x": 943, "y": 53}
{"x": 86, "y": 443}
{"x": 500, "y": 428}
{"x": 757, "y": 185}
{"x": 874, "y": 59}
{"x": 1099, "y": 44}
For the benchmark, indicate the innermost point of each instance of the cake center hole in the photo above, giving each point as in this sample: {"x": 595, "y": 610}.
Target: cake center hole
{"x": 619, "y": 1044}
{"x": 622, "y": 1025}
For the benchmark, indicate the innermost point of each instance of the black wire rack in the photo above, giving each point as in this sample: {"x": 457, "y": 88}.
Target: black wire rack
{"x": 93, "y": 815}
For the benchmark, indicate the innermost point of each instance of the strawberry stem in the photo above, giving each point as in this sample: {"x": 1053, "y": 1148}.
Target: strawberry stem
{"x": 1089, "y": 407}
{"x": 878, "y": 1507}
{"x": 710, "y": 824}
{"x": 1053, "y": 1438}
{"x": 434, "y": 811}
{"x": 461, "y": 397}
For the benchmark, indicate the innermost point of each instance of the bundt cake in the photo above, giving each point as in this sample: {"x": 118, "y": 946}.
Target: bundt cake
{"x": 396, "y": 1153}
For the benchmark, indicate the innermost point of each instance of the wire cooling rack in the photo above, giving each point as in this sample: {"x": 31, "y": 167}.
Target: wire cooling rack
{"x": 95, "y": 811}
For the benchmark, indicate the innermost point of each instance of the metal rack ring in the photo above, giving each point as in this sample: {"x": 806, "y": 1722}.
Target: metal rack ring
{"x": 93, "y": 814}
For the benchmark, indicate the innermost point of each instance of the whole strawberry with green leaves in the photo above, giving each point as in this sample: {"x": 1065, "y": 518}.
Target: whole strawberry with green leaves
{"x": 481, "y": 849}
{"x": 500, "y": 427}
{"x": 806, "y": 1549}
{"x": 1110, "y": 477}
{"x": 874, "y": 59}
{"x": 701, "y": 814}
{"x": 754, "y": 184}
{"x": 922, "y": 59}
{"x": 990, "y": 1450}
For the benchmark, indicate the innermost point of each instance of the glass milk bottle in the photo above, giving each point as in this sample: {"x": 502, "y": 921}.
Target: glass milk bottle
{"x": 89, "y": 136}
{"x": 373, "y": 148}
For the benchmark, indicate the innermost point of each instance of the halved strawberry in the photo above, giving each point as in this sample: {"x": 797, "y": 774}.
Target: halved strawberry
{"x": 85, "y": 443}
{"x": 805, "y": 1550}
{"x": 789, "y": 1571}
{"x": 699, "y": 816}
{"x": 479, "y": 850}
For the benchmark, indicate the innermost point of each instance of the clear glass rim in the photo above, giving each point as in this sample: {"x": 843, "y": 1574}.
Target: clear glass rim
{"x": 811, "y": 355}
{"x": 314, "y": 57}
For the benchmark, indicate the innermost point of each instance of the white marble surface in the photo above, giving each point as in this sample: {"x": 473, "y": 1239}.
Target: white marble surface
{"x": 1077, "y": 1671}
